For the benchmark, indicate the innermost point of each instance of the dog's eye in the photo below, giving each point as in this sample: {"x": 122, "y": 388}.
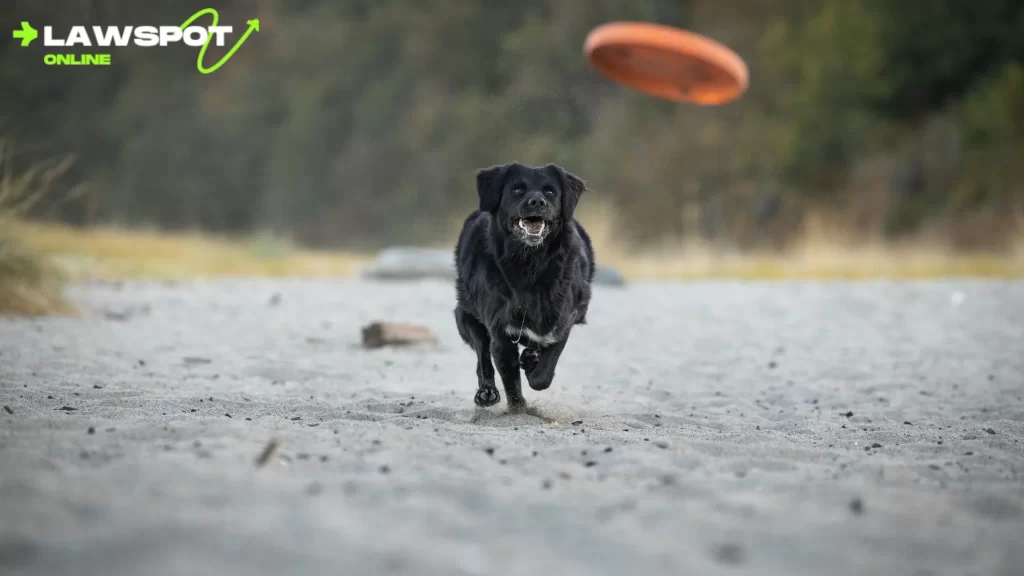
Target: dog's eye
{"x": 549, "y": 192}
{"x": 518, "y": 190}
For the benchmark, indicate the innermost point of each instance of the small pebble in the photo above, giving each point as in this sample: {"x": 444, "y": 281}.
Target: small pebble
{"x": 384, "y": 469}
{"x": 590, "y": 463}
{"x": 608, "y": 449}
{"x": 546, "y": 484}
{"x": 907, "y": 423}
{"x": 990, "y": 431}
{"x": 876, "y": 445}
{"x": 729, "y": 554}
{"x": 577, "y": 422}
{"x": 489, "y": 450}
{"x": 91, "y": 430}
{"x": 228, "y": 415}
{"x": 8, "y": 410}
{"x": 857, "y": 506}
{"x": 848, "y": 414}
{"x": 662, "y": 445}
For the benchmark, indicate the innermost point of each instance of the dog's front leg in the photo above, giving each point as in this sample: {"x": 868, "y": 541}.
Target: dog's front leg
{"x": 547, "y": 358}
{"x": 506, "y": 358}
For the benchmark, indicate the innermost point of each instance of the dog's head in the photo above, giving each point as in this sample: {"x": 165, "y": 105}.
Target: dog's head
{"x": 530, "y": 203}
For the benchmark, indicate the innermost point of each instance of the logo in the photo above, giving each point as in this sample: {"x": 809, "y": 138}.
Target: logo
{"x": 143, "y": 36}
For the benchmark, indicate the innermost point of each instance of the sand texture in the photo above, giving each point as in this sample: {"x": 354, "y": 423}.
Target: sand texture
{"x": 704, "y": 428}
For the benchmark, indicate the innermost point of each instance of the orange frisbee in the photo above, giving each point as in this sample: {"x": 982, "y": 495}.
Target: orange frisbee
{"x": 667, "y": 62}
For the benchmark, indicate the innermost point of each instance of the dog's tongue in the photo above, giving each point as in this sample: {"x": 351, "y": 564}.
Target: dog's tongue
{"x": 532, "y": 226}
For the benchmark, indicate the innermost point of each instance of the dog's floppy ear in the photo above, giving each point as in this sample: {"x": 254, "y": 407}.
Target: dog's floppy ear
{"x": 488, "y": 186}
{"x": 572, "y": 188}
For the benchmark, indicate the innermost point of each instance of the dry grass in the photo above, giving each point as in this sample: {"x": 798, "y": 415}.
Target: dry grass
{"x": 122, "y": 253}
{"x": 30, "y": 284}
{"x": 824, "y": 252}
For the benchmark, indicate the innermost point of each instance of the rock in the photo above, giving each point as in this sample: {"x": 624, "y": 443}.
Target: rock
{"x": 380, "y": 334}
{"x": 606, "y": 276}
{"x": 411, "y": 263}
{"x": 416, "y": 263}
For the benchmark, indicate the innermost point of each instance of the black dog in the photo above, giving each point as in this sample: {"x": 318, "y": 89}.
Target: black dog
{"x": 524, "y": 267}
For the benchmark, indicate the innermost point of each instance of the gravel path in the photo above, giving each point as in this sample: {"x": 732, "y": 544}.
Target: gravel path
{"x": 704, "y": 428}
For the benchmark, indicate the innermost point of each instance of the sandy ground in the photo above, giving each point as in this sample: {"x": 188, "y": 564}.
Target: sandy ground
{"x": 705, "y": 428}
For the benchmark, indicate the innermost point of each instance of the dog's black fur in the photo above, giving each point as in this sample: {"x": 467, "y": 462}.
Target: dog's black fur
{"x": 516, "y": 285}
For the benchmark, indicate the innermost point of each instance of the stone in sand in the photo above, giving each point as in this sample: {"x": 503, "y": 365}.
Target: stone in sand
{"x": 380, "y": 334}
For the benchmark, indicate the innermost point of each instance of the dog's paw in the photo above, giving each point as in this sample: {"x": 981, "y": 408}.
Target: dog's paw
{"x": 528, "y": 360}
{"x": 487, "y": 396}
{"x": 540, "y": 382}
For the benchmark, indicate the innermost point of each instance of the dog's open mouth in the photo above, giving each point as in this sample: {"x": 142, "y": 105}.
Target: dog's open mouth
{"x": 533, "y": 227}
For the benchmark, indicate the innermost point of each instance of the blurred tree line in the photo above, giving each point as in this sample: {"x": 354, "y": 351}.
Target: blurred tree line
{"x": 360, "y": 122}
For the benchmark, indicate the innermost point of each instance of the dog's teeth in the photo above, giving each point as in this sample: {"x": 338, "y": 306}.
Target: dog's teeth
{"x": 525, "y": 225}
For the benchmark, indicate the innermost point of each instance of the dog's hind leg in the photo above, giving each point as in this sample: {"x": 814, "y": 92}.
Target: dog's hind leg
{"x": 475, "y": 334}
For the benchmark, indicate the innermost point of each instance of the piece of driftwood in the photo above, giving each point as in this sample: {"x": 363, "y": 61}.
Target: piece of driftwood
{"x": 411, "y": 263}
{"x": 414, "y": 263}
{"x": 380, "y": 334}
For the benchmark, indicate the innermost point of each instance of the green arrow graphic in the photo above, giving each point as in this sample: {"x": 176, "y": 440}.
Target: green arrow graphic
{"x": 254, "y": 26}
{"x": 27, "y": 34}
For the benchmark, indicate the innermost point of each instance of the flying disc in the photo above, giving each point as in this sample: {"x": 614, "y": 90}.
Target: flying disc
{"x": 667, "y": 62}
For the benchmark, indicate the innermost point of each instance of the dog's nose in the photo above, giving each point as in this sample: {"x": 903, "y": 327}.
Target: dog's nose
{"x": 537, "y": 202}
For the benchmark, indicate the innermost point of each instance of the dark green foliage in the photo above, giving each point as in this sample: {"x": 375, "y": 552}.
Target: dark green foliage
{"x": 361, "y": 122}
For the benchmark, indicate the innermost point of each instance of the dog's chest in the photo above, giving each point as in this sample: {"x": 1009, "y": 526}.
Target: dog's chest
{"x": 519, "y": 332}
{"x": 541, "y": 322}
